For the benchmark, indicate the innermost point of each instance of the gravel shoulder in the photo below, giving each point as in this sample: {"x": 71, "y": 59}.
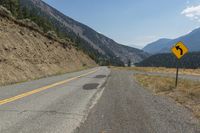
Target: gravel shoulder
{"x": 125, "y": 107}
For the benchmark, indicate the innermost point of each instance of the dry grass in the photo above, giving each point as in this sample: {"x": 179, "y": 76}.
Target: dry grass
{"x": 187, "y": 93}
{"x": 166, "y": 70}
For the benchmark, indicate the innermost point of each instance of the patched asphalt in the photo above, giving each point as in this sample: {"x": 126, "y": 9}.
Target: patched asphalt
{"x": 59, "y": 109}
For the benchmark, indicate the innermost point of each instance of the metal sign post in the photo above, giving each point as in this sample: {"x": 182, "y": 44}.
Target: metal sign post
{"x": 177, "y": 69}
{"x": 179, "y": 50}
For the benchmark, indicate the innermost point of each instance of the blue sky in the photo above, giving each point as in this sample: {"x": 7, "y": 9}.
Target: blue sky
{"x": 134, "y": 22}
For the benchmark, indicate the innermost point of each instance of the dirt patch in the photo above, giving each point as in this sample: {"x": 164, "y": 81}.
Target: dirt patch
{"x": 90, "y": 86}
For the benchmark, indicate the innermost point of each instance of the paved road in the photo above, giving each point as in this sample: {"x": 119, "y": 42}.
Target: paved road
{"x": 89, "y": 101}
{"x": 51, "y": 105}
{"x": 125, "y": 107}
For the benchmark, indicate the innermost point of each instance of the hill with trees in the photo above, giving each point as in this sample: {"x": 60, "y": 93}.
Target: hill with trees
{"x": 102, "y": 49}
{"x": 190, "y": 60}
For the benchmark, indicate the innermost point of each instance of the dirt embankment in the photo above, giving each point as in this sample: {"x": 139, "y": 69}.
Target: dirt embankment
{"x": 26, "y": 54}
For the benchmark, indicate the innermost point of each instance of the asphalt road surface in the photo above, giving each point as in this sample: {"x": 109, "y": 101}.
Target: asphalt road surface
{"x": 52, "y": 105}
{"x": 97, "y": 100}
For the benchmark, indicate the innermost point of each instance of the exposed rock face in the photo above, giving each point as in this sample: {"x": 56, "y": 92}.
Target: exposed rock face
{"x": 26, "y": 54}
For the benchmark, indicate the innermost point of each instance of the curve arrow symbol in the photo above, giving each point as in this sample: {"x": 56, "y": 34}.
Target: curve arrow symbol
{"x": 178, "y": 48}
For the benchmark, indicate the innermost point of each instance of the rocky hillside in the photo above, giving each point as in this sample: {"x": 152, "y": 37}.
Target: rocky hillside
{"x": 27, "y": 53}
{"x": 99, "y": 47}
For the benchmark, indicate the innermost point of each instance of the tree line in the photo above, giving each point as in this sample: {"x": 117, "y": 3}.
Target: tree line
{"x": 190, "y": 60}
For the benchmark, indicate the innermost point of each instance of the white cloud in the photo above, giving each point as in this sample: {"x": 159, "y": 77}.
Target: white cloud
{"x": 192, "y": 12}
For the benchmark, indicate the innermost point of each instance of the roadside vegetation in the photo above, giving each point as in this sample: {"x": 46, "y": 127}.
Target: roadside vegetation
{"x": 187, "y": 92}
{"x": 165, "y": 70}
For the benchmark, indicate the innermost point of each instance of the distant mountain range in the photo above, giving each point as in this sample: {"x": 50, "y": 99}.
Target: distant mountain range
{"x": 191, "y": 40}
{"x": 157, "y": 46}
{"x": 99, "y": 47}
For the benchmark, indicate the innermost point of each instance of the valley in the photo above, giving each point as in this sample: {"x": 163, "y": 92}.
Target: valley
{"x": 59, "y": 75}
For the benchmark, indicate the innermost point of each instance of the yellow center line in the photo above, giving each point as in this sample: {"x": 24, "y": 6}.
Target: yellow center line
{"x": 8, "y": 100}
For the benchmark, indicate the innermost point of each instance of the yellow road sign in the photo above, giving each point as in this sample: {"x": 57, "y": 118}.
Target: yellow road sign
{"x": 179, "y": 50}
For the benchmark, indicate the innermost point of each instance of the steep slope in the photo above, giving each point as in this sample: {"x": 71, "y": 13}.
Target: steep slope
{"x": 191, "y": 40}
{"x": 156, "y": 46}
{"x": 27, "y": 54}
{"x": 106, "y": 50}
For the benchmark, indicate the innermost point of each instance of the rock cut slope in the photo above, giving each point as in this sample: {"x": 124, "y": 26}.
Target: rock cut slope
{"x": 26, "y": 54}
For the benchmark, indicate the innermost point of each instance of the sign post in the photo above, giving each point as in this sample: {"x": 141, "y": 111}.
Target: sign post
{"x": 177, "y": 69}
{"x": 179, "y": 50}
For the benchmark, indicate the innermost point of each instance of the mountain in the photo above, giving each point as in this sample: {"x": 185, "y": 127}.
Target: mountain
{"x": 191, "y": 40}
{"x": 190, "y": 60}
{"x": 157, "y": 45}
{"x": 99, "y": 47}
